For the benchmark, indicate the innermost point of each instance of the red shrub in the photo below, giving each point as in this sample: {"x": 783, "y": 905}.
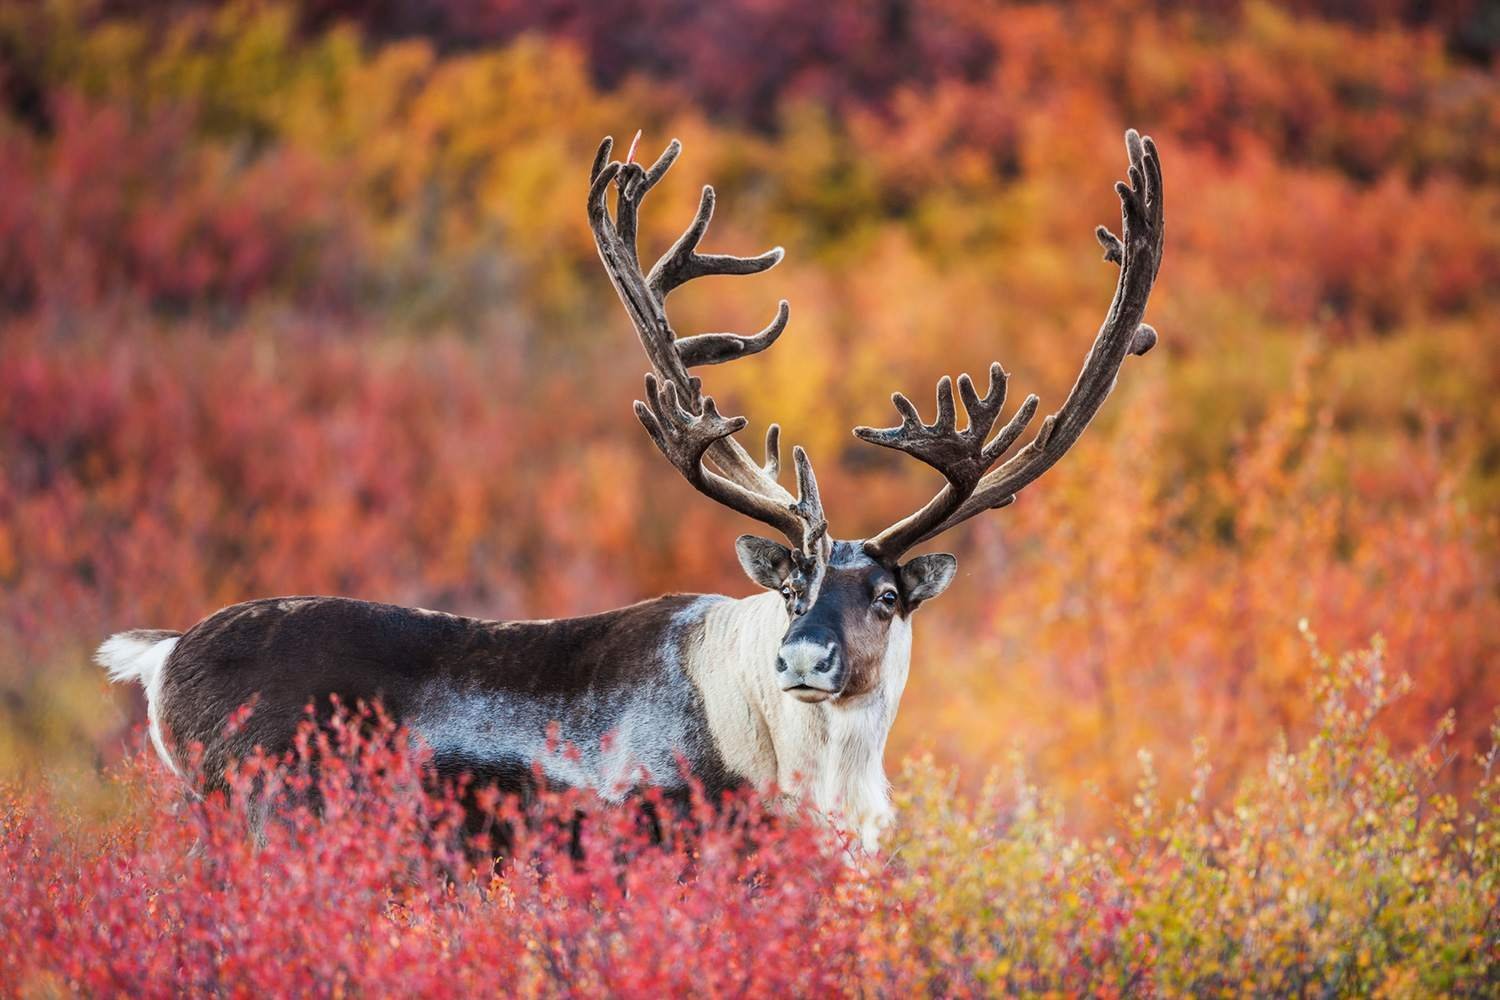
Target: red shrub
{"x": 119, "y": 202}
{"x": 376, "y": 892}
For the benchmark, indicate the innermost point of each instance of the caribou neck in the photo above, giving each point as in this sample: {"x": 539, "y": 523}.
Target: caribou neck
{"x": 832, "y": 751}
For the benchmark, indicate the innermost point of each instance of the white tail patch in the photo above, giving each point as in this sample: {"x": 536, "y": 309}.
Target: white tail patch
{"x": 141, "y": 656}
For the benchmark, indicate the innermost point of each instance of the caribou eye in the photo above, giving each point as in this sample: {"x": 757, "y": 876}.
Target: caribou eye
{"x": 786, "y": 591}
{"x": 887, "y": 598}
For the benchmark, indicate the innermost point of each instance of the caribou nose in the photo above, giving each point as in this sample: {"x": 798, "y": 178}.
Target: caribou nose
{"x": 810, "y": 661}
{"x": 823, "y": 661}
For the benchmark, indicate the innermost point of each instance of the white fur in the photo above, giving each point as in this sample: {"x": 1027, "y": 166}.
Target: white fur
{"x": 733, "y": 664}
{"x": 126, "y": 657}
{"x": 802, "y": 658}
{"x": 493, "y": 727}
{"x": 831, "y": 751}
{"x": 648, "y": 727}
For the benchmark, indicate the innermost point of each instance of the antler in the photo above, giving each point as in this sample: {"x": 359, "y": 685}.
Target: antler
{"x": 964, "y": 456}
{"x": 684, "y": 423}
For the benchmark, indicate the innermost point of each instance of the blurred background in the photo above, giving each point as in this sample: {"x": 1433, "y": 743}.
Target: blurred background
{"x": 300, "y": 298}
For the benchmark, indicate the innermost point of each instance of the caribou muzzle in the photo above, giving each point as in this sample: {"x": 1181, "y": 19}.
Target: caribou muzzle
{"x": 809, "y": 665}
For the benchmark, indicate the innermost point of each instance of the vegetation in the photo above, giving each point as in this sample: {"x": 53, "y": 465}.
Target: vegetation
{"x": 284, "y": 289}
{"x": 1340, "y": 871}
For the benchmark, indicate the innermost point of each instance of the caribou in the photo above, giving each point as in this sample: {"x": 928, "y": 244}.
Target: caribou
{"x": 795, "y": 688}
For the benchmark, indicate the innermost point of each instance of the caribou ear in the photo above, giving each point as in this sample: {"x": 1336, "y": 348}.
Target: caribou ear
{"x": 925, "y": 577}
{"x": 766, "y": 562}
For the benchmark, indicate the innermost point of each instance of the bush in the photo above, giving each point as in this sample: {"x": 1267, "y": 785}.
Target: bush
{"x": 1339, "y": 871}
{"x": 377, "y": 890}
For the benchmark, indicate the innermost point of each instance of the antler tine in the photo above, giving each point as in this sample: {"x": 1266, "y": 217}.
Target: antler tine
{"x": 633, "y": 183}
{"x": 960, "y": 457}
{"x": 809, "y": 505}
{"x": 682, "y": 421}
{"x": 683, "y": 262}
{"x": 956, "y": 454}
{"x": 684, "y": 438}
{"x": 717, "y": 348}
{"x": 772, "y": 466}
{"x": 601, "y": 157}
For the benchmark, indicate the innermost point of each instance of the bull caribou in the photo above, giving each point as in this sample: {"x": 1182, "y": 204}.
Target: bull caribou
{"x": 795, "y": 687}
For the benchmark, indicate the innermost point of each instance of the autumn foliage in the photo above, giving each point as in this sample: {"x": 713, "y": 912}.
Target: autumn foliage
{"x": 1341, "y": 869}
{"x": 301, "y": 299}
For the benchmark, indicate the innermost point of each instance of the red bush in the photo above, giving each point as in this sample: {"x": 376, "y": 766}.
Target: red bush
{"x": 378, "y": 891}
{"x": 120, "y": 203}
{"x": 1339, "y": 869}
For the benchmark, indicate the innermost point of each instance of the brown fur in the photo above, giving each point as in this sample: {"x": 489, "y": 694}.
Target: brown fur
{"x": 282, "y": 655}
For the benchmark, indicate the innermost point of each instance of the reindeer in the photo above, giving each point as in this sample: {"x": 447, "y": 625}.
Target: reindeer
{"x": 794, "y": 688}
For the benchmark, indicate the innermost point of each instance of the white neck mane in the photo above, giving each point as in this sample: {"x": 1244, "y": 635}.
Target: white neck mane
{"x": 831, "y": 751}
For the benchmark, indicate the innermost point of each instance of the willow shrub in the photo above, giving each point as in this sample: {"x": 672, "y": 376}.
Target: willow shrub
{"x": 1340, "y": 869}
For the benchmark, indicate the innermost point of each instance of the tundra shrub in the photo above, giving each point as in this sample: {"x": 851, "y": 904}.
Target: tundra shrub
{"x": 1339, "y": 870}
